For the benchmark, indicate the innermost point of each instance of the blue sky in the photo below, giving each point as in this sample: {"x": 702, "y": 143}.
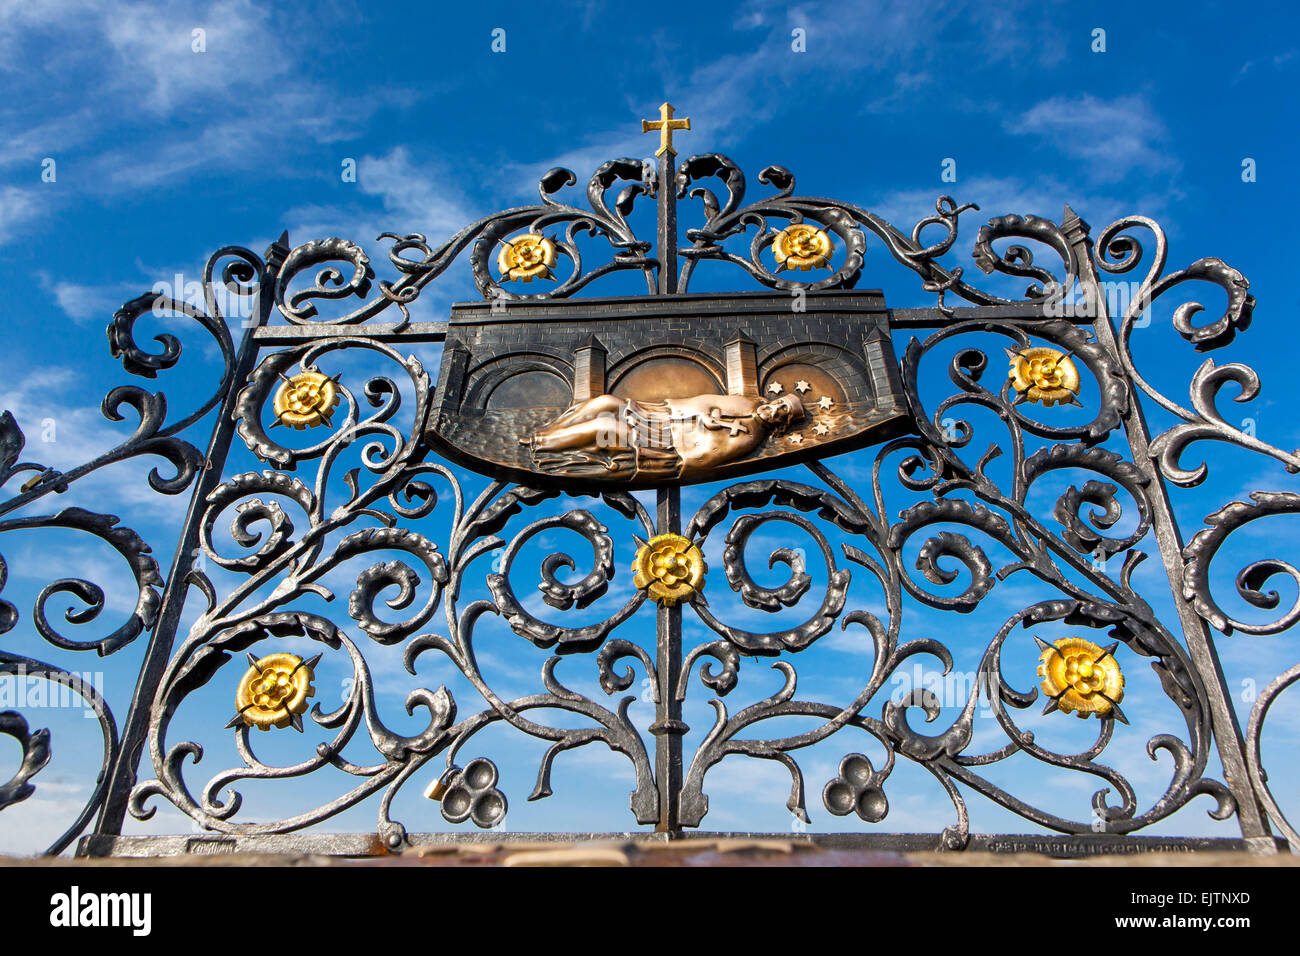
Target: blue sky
{"x": 162, "y": 154}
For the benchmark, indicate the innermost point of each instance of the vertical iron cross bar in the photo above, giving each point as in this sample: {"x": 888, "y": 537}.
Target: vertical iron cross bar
{"x": 668, "y": 727}
{"x": 139, "y": 718}
{"x": 666, "y": 235}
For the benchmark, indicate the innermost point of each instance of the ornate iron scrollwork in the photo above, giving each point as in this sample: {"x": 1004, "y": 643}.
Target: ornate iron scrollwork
{"x": 242, "y": 273}
{"x": 297, "y": 523}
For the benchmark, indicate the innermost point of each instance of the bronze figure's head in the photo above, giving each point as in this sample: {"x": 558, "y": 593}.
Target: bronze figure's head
{"x": 781, "y": 412}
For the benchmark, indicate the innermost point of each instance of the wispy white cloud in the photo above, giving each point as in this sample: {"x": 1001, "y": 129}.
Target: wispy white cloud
{"x": 153, "y": 68}
{"x": 89, "y": 304}
{"x": 1115, "y": 137}
{"x": 416, "y": 196}
{"x": 178, "y": 51}
{"x": 1278, "y": 61}
{"x": 18, "y": 208}
{"x": 34, "y": 139}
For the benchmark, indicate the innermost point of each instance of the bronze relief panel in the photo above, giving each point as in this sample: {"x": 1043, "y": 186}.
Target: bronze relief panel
{"x": 645, "y": 392}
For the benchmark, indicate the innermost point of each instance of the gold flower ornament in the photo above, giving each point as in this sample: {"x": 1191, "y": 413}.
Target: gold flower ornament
{"x": 526, "y": 257}
{"x": 1044, "y": 375}
{"x": 274, "y": 691}
{"x": 669, "y": 568}
{"x": 306, "y": 400}
{"x": 1080, "y": 677}
{"x": 803, "y": 247}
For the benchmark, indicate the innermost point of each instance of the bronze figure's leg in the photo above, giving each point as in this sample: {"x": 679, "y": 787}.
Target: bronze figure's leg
{"x": 591, "y": 408}
{"x": 604, "y": 431}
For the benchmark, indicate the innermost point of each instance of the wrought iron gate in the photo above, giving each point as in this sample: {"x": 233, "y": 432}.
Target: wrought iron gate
{"x": 302, "y": 517}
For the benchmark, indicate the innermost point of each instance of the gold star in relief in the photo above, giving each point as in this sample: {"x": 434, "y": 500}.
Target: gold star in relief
{"x": 825, "y": 402}
{"x": 796, "y": 439}
{"x": 775, "y": 388}
{"x": 801, "y": 386}
{"x": 821, "y": 428}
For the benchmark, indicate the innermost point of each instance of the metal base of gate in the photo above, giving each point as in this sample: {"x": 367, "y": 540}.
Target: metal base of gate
{"x": 368, "y": 844}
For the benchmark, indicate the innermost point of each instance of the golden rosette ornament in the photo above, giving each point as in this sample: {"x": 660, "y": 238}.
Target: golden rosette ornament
{"x": 526, "y": 258}
{"x": 306, "y": 400}
{"x": 802, "y": 246}
{"x": 1081, "y": 678}
{"x": 1044, "y": 375}
{"x": 275, "y": 691}
{"x": 669, "y": 568}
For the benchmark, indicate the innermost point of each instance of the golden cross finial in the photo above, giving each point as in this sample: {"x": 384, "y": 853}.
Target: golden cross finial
{"x": 665, "y": 124}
